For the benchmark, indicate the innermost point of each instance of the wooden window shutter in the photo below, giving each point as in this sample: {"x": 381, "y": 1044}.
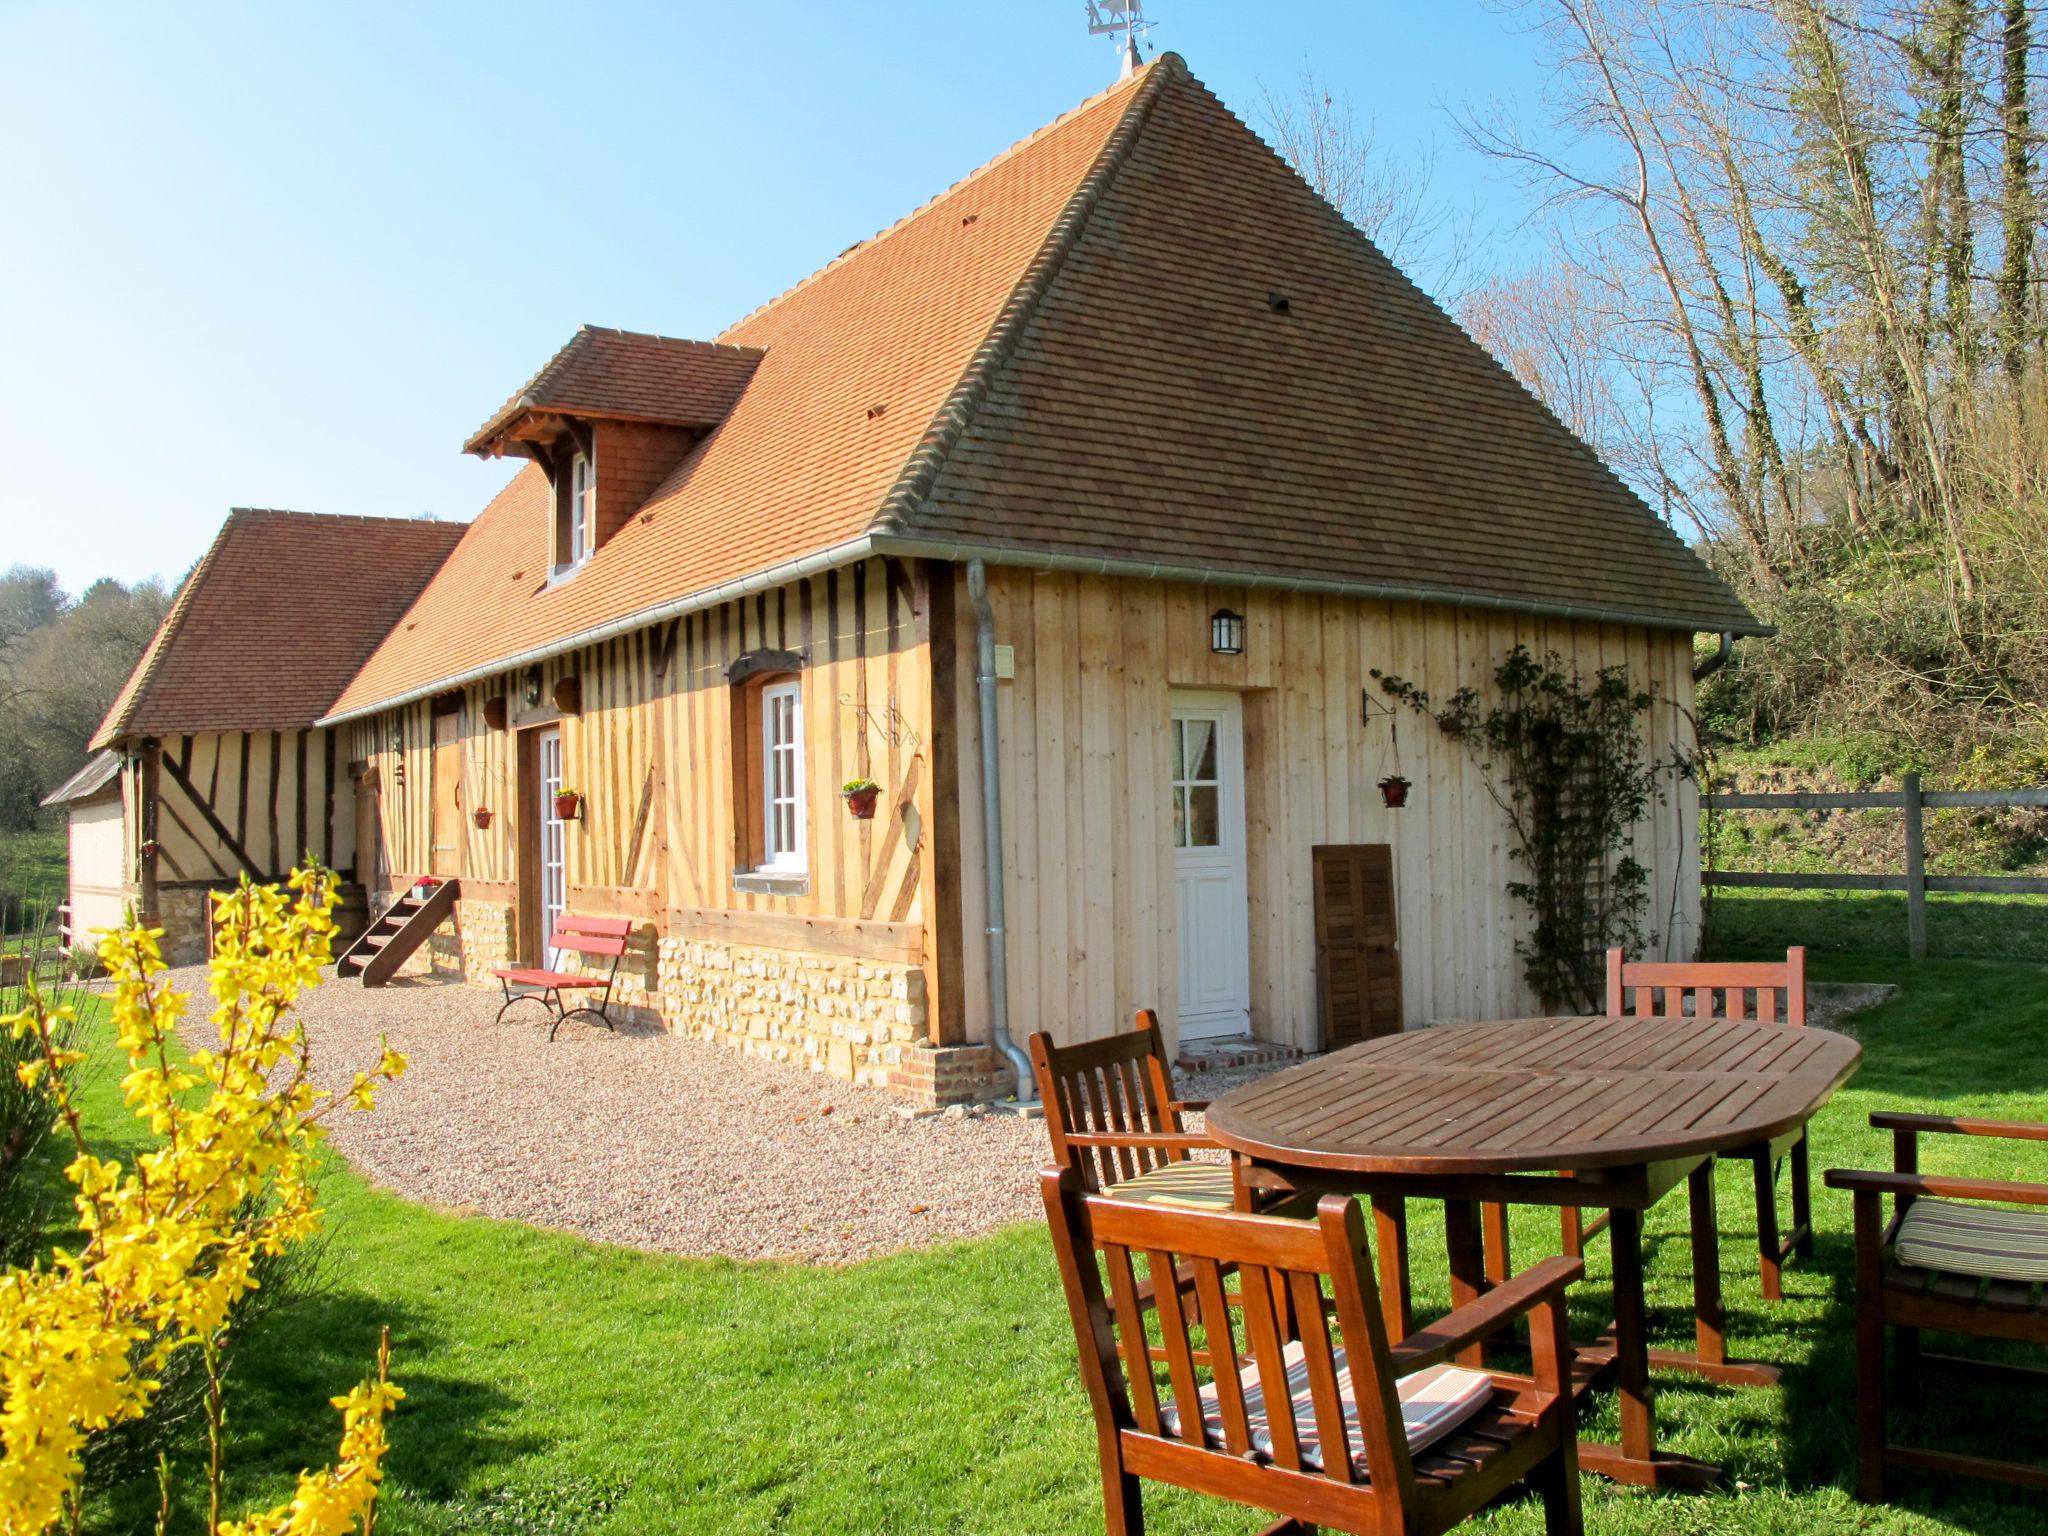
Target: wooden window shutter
{"x": 1358, "y": 952}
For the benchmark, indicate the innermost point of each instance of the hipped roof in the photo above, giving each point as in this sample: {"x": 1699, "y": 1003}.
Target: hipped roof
{"x": 1136, "y": 342}
{"x": 281, "y": 611}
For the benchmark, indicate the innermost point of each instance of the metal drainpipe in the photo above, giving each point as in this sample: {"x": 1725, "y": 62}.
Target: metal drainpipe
{"x": 1717, "y": 661}
{"x": 992, "y": 833}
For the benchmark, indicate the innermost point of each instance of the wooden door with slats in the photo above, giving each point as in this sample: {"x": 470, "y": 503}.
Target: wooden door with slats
{"x": 1358, "y": 952}
{"x": 445, "y": 856}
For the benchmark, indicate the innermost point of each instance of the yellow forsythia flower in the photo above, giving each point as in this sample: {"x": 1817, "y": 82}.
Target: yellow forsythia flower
{"x": 171, "y": 1241}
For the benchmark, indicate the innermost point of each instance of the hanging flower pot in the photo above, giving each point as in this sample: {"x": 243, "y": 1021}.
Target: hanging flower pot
{"x": 1394, "y": 790}
{"x": 861, "y": 795}
{"x": 568, "y": 804}
{"x": 481, "y": 816}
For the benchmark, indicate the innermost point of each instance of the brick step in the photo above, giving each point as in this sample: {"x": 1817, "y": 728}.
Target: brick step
{"x": 1223, "y": 1055}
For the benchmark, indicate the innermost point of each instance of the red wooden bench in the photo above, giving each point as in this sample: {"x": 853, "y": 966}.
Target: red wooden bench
{"x": 600, "y": 936}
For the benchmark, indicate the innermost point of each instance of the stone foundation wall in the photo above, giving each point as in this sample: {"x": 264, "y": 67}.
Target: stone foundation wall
{"x": 183, "y": 912}
{"x": 856, "y": 1019}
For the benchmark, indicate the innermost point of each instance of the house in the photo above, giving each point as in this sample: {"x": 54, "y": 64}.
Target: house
{"x": 210, "y": 763}
{"x": 95, "y": 846}
{"x": 1126, "y": 442}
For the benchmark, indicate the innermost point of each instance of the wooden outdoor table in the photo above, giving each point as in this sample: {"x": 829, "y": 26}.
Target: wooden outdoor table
{"x": 1610, "y": 1113}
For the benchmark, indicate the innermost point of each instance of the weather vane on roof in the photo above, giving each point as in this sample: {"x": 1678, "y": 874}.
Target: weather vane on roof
{"x": 1109, "y": 19}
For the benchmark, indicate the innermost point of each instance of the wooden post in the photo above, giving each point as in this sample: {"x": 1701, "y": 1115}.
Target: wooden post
{"x": 1916, "y": 871}
{"x": 145, "y": 816}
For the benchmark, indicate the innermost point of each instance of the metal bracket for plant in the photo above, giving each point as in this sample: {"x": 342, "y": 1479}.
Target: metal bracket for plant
{"x": 888, "y": 724}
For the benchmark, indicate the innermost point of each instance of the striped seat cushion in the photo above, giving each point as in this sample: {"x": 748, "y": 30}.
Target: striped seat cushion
{"x": 1433, "y": 1403}
{"x": 1996, "y": 1242}
{"x": 1189, "y": 1185}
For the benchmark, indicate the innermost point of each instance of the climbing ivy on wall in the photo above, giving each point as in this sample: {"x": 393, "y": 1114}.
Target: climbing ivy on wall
{"x": 1563, "y": 757}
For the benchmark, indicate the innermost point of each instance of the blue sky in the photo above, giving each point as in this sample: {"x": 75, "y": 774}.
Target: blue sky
{"x": 290, "y": 256}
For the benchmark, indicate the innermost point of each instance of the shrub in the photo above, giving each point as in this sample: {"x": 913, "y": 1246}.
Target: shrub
{"x": 174, "y": 1242}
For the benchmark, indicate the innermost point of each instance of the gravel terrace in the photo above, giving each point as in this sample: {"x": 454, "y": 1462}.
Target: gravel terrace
{"x": 652, "y": 1141}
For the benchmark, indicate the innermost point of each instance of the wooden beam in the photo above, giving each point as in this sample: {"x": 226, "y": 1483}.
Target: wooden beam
{"x": 145, "y": 810}
{"x": 200, "y": 804}
{"x": 845, "y": 936}
{"x": 937, "y": 630}
{"x": 327, "y": 798}
{"x": 640, "y": 902}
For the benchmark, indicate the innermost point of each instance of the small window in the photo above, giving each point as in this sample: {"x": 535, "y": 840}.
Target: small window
{"x": 577, "y": 522}
{"x": 782, "y": 777}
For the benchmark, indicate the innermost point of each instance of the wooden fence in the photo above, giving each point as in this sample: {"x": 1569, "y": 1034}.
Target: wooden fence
{"x": 1915, "y": 882}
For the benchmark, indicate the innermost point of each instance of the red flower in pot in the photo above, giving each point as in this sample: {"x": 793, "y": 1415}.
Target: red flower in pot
{"x": 482, "y": 817}
{"x": 861, "y": 795}
{"x": 1394, "y": 791}
{"x": 568, "y": 804}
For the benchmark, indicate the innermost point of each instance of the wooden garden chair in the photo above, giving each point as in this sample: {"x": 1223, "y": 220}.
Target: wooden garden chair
{"x": 1111, "y": 1116}
{"x": 1977, "y": 1269}
{"x": 1662, "y": 988}
{"x": 1331, "y": 1426}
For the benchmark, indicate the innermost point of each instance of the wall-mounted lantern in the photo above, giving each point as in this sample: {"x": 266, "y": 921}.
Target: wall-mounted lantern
{"x": 532, "y": 687}
{"x": 1226, "y": 632}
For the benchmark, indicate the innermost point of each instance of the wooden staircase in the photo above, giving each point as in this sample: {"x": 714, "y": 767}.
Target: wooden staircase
{"x": 385, "y": 945}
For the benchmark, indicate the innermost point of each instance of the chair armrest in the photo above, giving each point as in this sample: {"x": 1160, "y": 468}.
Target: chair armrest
{"x": 1960, "y": 1125}
{"x": 1166, "y": 1141}
{"x": 1185, "y": 1106}
{"x": 1488, "y": 1315}
{"x": 1940, "y": 1185}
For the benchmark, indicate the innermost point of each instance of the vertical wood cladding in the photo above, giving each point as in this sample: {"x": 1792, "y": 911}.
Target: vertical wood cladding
{"x": 1093, "y": 930}
{"x": 1092, "y": 921}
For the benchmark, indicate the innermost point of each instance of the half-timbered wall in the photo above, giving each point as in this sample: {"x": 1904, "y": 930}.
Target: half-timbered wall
{"x": 651, "y": 751}
{"x": 1092, "y": 922}
{"x": 253, "y": 802}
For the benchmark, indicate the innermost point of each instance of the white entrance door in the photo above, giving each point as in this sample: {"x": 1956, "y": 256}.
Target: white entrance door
{"x": 554, "y": 894}
{"x": 1206, "y": 755}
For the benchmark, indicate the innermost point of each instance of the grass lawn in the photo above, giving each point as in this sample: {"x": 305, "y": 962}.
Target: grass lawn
{"x": 1960, "y": 925}
{"x": 33, "y": 874}
{"x": 557, "y": 1386}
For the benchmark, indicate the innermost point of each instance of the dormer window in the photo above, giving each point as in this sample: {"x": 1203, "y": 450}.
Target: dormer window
{"x": 575, "y": 514}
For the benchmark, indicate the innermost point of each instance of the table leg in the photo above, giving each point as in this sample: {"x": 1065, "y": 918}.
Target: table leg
{"x": 1390, "y": 1242}
{"x": 1631, "y": 1336}
{"x": 1636, "y": 1459}
{"x": 1467, "y": 1252}
{"x": 1709, "y": 1355}
{"x": 1709, "y": 1325}
{"x": 1500, "y": 1267}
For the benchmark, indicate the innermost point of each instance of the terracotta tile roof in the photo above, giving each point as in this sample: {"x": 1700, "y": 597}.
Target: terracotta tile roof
{"x": 1160, "y": 408}
{"x": 1070, "y": 357}
{"x": 274, "y": 620}
{"x": 631, "y": 376}
{"x": 803, "y": 460}
{"x": 97, "y": 774}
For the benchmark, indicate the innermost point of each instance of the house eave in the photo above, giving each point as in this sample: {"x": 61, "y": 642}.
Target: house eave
{"x": 844, "y": 553}
{"x": 867, "y": 545}
{"x": 1145, "y": 570}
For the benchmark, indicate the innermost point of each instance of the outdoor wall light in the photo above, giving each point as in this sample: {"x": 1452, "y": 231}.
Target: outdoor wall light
{"x": 1226, "y": 632}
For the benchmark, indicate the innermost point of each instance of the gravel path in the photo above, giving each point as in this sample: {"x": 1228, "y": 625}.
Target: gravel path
{"x": 655, "y": 1142}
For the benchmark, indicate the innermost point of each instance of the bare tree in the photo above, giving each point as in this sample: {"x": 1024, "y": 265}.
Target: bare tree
{"x": 1391, "y": 198}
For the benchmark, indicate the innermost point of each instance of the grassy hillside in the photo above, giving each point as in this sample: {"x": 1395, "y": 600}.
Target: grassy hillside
{"x": 32, "y": 875}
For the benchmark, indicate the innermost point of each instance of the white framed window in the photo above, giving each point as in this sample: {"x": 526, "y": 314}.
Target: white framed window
{"x": 579, "y": 527}
{"x": 782, "y": 777}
